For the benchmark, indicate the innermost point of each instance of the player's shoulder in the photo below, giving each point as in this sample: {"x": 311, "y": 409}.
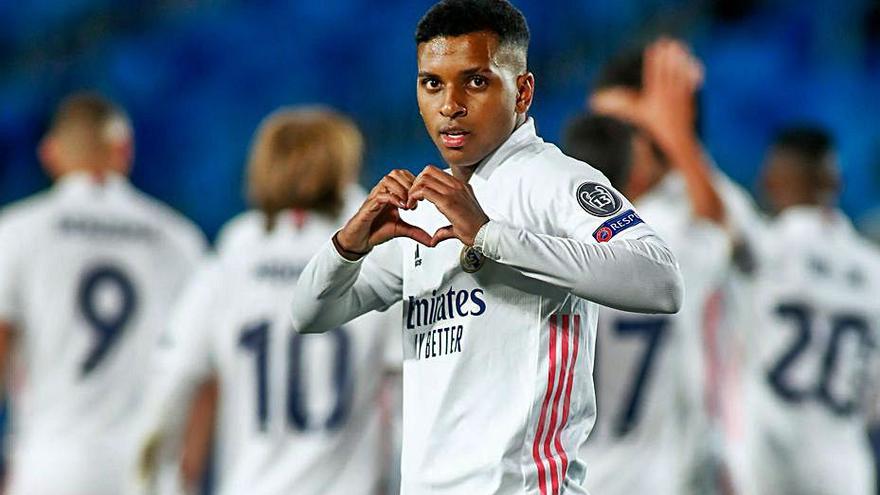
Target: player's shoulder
{"x": 179, "y": 229}
{"x": 25, "y": 215}
{"x": 240, "y": 230}
{"x": 544, "y": 165}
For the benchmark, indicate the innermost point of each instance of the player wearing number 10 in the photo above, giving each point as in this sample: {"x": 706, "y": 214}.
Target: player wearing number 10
{"x": 500, "y": 268}
{"x": 816, "y": 340}
{"x": 88, "y": 273}
{"x": 296, "y": 414}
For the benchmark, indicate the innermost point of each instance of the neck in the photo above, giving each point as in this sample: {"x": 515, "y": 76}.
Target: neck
{"x": 464, "y": 172}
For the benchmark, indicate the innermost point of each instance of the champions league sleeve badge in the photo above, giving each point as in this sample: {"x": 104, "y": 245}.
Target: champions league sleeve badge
{"x": 471, "y": 259}
{"x": 598, "y": 199}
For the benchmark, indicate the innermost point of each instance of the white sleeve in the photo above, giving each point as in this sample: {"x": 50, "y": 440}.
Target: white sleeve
{"x": 635, "y": 275}
{"x": 183, "y": 358}
{"x": 11, "y": 260}
{"x": 332, "y": 290}
{"x": 594, "y": 245}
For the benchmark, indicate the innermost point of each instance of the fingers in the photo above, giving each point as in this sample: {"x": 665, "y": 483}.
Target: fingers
{"x": 378, "y": 201}
{"x": 431, "y": 190}
{"x": 403, "y": 229}
{"x": 443, "y": 234}
{"x": 397, "y": 183}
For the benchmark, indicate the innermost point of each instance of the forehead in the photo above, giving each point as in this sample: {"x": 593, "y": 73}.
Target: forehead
{"x": 453, "y": 52}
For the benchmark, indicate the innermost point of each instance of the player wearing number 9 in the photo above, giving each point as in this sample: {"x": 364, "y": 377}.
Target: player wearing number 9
{"x": 816, "y": 342}
{"x": 88, "y": 273}
{"x": 294, "y": 413}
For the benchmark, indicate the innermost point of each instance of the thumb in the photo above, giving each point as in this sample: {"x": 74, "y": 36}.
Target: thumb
{"x": 443, "y": 234}
{"x": 403, "y": 229}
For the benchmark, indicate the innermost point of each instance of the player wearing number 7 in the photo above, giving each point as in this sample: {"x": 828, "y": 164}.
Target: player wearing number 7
{"x": 296, "y": 413}
{"x": 88, "y": 273}
{"x": 500, "y": 263}
{"x": 812, "y": 381}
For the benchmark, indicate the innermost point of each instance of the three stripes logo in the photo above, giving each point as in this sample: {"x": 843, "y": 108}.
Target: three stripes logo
{"x": 547, "y": 450}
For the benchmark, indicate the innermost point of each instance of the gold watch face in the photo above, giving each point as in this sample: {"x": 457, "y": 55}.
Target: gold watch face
{"x": 471, "y": 259}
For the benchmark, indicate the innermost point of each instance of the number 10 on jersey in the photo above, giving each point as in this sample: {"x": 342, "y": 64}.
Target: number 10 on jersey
{"x": 255, "y": 339}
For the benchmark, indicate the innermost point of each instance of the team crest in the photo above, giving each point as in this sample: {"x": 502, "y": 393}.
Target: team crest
{"x": 471, "y": 259}
{"x": 598, "y": 199}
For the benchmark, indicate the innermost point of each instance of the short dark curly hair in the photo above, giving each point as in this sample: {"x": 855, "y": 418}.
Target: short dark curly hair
{"x": 458, "y": 17}
{"x": 603, "y": 142}
{"x": 810, "y": 142}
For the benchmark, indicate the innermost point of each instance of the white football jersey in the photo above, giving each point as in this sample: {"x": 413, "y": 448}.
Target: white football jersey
{"x": 649, "y": 371}
{"x": 498, "y": 395}
{"x": 88, "y": 273}
{"x": 297, "y": 413}
{"x": 815, "y": 344}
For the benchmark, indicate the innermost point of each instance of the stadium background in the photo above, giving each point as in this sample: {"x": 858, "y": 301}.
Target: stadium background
{"x": 197, "y": 77}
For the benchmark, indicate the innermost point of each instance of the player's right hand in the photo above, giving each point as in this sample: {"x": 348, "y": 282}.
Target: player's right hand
{"x": 378, "y": 219}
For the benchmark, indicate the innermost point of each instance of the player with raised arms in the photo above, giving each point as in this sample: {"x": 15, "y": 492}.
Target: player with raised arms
{"x": 500, "y": 262}
{"x": 812, "y": 376}
{"x": 652, "y": 421}
{"x": 88, "y": 273}
{"x": 294, "y": 413}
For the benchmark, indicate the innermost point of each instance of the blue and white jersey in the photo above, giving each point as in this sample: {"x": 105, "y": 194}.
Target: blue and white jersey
{"x": 816, "y": 345}
{"x": 89, "y": 272}
{"x": 296, "y": 413}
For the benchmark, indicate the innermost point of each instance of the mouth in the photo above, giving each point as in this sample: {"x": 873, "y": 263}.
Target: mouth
{"x": 454, "y": 137}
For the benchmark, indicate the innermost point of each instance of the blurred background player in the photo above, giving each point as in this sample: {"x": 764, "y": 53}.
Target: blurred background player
{"x": 652, "y": 425}
{"x": 817, "y": 330}
{"x": 630, "y": 88}
{"x": 88, "y": 273}
{"x": 294, "y": 413}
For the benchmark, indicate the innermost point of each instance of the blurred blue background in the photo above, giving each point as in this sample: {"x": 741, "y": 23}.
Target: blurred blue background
{"x": 197, "y": 77}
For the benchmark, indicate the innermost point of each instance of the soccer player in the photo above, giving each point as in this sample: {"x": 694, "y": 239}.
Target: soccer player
{"x": 817, "y": 333}
{"x": 500, "y": 262}
{"x": 88, "y": 274}
{"x": 295, "y": 413}
{"x": 651, "y": 421}
{"x": 627, "y": 88}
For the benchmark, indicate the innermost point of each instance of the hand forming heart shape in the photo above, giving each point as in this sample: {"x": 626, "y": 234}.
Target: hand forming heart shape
{"x": 378, "y": 220}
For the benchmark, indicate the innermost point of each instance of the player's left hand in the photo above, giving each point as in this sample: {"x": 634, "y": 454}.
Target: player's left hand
{"x": 456, "y": 201}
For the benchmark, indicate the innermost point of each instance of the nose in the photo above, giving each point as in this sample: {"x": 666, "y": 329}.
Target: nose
{"x": 452, "y": 105}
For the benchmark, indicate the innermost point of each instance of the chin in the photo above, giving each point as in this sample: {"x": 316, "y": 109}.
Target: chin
{"x": 457, "y": 158}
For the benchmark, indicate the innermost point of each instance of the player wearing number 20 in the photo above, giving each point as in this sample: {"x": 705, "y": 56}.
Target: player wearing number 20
{"x": 499, "y": 262}
{"x": 817, "y": 331}
{"x": 88, "y": 273}
{"x": 296, "y": 413}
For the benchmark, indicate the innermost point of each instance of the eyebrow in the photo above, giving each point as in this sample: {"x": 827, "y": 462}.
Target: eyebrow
{"x": 467, "y": 72}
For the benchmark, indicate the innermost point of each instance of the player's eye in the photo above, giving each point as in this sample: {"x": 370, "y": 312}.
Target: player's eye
{"x": 478, "y": 82}
{"x": 430, "y": 83}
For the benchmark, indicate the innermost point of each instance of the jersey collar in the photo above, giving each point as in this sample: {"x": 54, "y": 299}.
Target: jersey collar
{"x": 829, "y": 220}
{"x": 522, "y": 137}
{"x": 83, "y": 182}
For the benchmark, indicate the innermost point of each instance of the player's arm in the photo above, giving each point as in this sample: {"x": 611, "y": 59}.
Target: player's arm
{"x": 671, "y": 78}
{"x": 198, "y": 435}
{"x": 358, "y": 271}
{"x": 7, "y": 345}
{"x": 638, "y": 274}
{"x": 180, "y": 363}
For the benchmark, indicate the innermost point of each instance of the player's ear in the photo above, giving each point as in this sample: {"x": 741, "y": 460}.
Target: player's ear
{"x": 525, "y": 91}
{"x": 48, "y": 152}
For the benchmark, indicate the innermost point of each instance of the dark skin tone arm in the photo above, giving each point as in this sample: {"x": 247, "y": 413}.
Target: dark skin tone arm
{"x": 198, "y": 435}
{"x": 671, "y": 77}
{"x": 7, "y": 345}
